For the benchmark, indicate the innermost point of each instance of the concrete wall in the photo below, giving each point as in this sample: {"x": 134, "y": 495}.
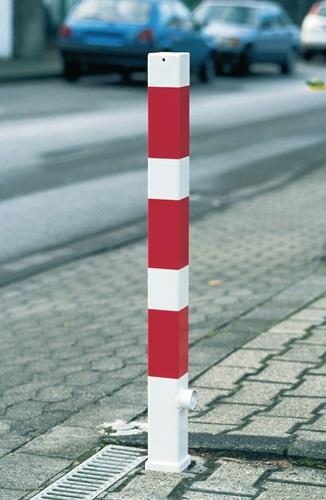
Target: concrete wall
{"x": 29, "y": 28}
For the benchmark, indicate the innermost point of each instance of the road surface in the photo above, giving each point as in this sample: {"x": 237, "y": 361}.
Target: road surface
{"x": 73, "y": 157}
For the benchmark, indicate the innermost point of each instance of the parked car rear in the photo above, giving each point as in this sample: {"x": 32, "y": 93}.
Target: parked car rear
{"x": 249, "y": 32}
{"x": 313, "y": 31}
{"x": 117, "y": 35}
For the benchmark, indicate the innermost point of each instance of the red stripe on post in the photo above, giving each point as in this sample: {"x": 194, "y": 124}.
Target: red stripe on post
{"x": 168, "y": 233}
{"x": 168, "y": 343}
{"x": 168, "y": 122}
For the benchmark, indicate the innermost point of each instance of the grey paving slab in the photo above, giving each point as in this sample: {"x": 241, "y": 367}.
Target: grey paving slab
{"x": 226, "y": 413}
{"x": 268, "y": 426}
{"x": 246, "y": 358}
{"x": 286, "y": 491}
{"x": 198, "y": 495}
{"x": 27, "y": 472}
{"x": 280, "y": 371}
{"x": 294, "y": 474}
{"x": 6, "y": 494}
{"x": 233, "y": 478}
{"x": 146, "y": 486}
{"x": 304, "y": 353}
{"x": 309, "y": 444}
{"x": 63, "y": 442}
{"x": 295, "y": 407}
{"x": 222, "y": 377}
{"x": 312, "y": 386}
{"x": 257, "y": 393}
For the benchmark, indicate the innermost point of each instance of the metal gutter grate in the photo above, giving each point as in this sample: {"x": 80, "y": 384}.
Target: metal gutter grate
{"x": 95, "y": 475}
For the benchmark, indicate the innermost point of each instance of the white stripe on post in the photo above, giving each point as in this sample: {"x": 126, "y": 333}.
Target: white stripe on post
{"x": 169, "y": 398}
{"x": 168, "y": 179}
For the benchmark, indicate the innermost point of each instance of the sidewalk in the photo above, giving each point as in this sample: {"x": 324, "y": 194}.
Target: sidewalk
{"x": 48, "y": 66}
{"x": 73, "y": 362}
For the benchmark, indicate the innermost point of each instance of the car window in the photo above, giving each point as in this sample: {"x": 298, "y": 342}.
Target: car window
{"x": 122, "y": 11}
{"x": 270, "y": 22}
{"x": 207, "y": 13}
{"x": 181, "y": 12}
{"x": 322, "y": 12}
{"x": 166, "y": 12}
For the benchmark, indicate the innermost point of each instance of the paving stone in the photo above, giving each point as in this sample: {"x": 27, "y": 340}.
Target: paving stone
{"x": 316, "y": 337}
{"x": 199, "y": 495}
{"x": 303, "y": 353}
{"x": 295, "y": 407}
{"x": 233, "y": 477}
{"x": 292, "y": 325}
{"x": 272, "y": 341}
{"x": 246, "y": 358}
{"x": 25, "y": 409}
{"x": 225, "y": 413}
{"x": 257, "y": 393}
{"x": 206, "y": 396}
{"x": 313, "y": 315}
{"x": 318, "y": 425}
{"x": 300, "y": 475}
{"x": 146, "y": 486}
{"x": 287, "y": 491}
{"x": 63, "y": 442}
{"x": 6, "y": 494}
{"x": 211, "y": 429}
{"x": 280, "y": 371}
{"x": 21, "y": 470}
{"x": 268, "y": 426}
{"x": 309, "y": 444}
{"x": 53, "y": 394}
{"x": 319, "y": 304}
{"x": 106, "y": 411}
{"x": 222, "y": 377}
{"x": 313, "y": 386}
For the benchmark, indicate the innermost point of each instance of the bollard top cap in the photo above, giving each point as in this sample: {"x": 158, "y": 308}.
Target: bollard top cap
{"x": 169, "y": 69}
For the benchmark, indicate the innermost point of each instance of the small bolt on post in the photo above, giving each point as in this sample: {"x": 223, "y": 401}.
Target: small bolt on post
{"x": 169, "y": 398}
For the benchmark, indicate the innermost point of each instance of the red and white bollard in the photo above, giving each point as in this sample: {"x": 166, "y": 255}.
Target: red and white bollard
{"x": 169, "y": 398}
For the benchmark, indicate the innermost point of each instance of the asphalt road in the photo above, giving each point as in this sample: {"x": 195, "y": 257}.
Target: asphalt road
{"x": 73, "y": 157}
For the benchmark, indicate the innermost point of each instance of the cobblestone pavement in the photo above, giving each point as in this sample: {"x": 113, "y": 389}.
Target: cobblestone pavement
{"x": 73, "y": 347}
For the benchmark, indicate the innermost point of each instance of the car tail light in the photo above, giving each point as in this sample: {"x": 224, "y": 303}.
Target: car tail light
{"x": 315, "y": 8}
{"x": 64, "y": 31}
{"x": 146, "y": 36}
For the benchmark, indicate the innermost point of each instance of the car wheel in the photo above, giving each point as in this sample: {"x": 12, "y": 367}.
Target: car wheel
{"x": 207, "y": 70}
{"x": 71, "y": 71}
{"x": 242, "y": 68}
{"x": 308, "y": 55}
{"x": 288, "y": 66}
{"x": 125, "y": 76}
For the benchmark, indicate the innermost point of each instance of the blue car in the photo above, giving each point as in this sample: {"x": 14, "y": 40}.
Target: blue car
{"x": 247, "y": 32}
{"x": 117, "y": 35}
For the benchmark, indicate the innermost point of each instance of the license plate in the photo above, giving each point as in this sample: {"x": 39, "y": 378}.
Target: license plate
{"x": 104, "y": 41}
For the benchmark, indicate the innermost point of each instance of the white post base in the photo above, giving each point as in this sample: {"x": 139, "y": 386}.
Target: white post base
{"x": 167, "y": 425}
{"x": 171, "y": 467}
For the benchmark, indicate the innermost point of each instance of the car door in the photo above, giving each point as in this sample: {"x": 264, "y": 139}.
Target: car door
{"x": 268, "y": 41}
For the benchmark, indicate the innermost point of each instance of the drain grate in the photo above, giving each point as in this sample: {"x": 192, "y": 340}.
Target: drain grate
{"x": 95, "y": 475}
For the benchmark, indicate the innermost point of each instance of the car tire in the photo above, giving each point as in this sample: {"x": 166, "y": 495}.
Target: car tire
{"x": 71, "y": 71}
{"x": 242, "y": 68}
{"x": 307, "y": 55}
{"x": 288, "y": 66}
{"x": 125, "y": 76}
{"x": 207, "y": 70}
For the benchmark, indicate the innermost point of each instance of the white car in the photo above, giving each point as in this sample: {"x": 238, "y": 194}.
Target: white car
{"x": 313, "y": 31}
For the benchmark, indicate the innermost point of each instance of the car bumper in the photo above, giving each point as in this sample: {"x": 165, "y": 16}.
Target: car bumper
{"x": 227, "y": 57}
{"x": 106, "y": 58}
